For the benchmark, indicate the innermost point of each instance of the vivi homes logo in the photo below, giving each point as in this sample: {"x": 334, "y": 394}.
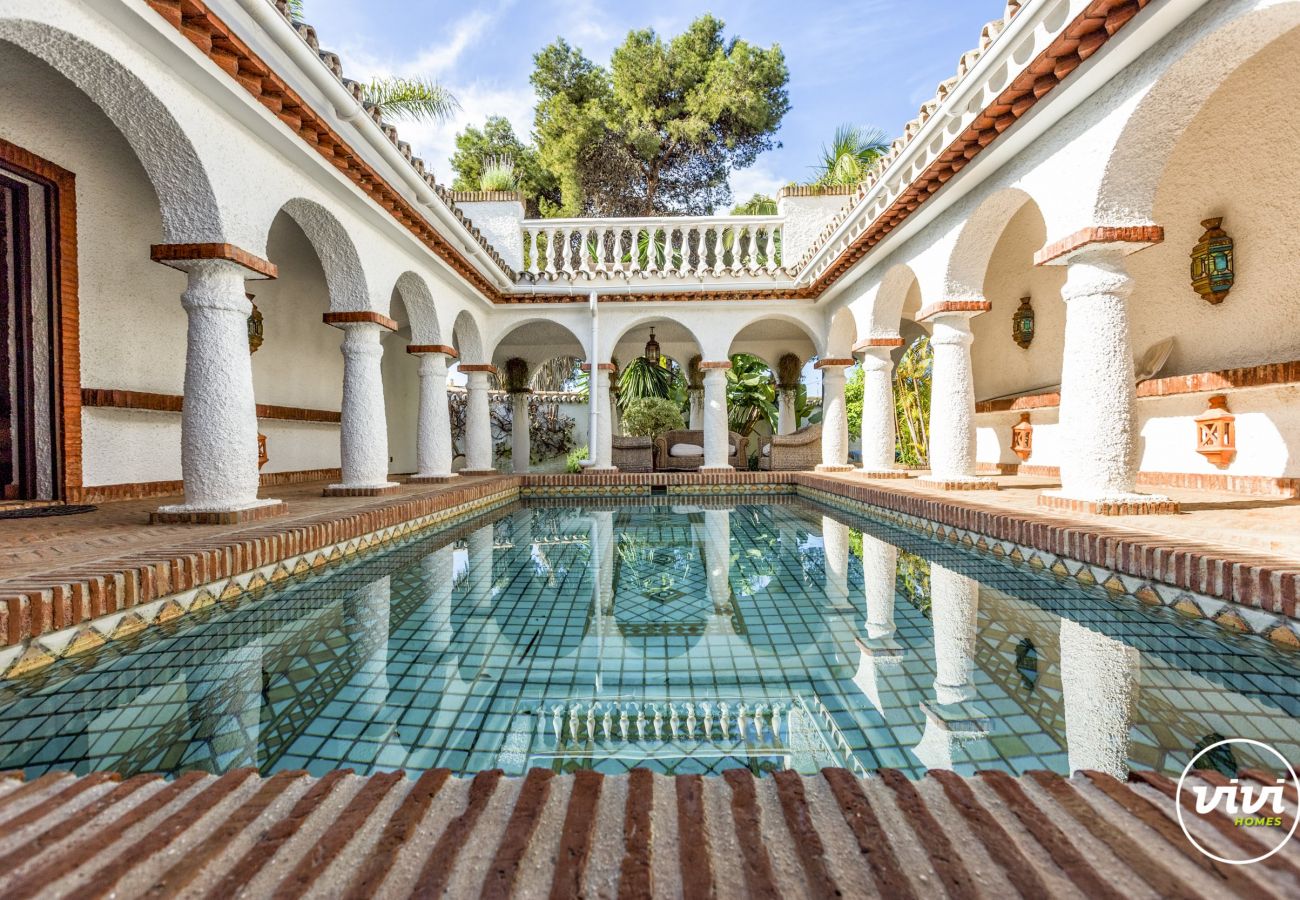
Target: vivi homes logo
{"x": 1250, "y": 804}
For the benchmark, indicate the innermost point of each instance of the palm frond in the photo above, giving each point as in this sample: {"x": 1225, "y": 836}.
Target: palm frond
{"x": 410, "y": 98}
{"x": 850, "y": 155}
{"x": 557, "y": 374}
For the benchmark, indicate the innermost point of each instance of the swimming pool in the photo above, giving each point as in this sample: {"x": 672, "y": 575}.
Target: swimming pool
{"x": 684, "y": 634}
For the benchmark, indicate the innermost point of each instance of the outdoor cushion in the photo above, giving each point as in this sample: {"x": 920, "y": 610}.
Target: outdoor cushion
{"x": 686, "y": 450}
{"x": 767, "y": 449}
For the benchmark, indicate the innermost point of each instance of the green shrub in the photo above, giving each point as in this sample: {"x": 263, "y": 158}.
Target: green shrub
{"x": 576, "y": 455}
{"x": 651, "y": 417}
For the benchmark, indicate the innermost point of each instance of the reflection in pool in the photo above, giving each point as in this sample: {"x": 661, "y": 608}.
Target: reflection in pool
{"x": 689, "y": 636}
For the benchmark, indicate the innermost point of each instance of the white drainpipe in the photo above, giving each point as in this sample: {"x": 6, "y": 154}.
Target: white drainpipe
{"x": 593, "y": 379}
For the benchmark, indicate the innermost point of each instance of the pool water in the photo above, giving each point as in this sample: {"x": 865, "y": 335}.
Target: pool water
{"x": 690, "y": 635}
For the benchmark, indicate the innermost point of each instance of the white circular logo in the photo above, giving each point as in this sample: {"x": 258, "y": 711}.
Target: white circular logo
{"x": 1248, "y": 803}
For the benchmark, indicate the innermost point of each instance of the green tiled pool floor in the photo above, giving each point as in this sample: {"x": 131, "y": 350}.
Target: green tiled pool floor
{"x": 686, "y": 638}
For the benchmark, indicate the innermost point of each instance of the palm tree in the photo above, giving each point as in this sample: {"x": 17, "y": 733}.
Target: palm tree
{"x": 560, "y": 373}
{"x": 852, "y": 152}
{"x": 912, "y": 402}
{"x": 643, "y": 378}
{"x": 757, "y": 205}
{"x": 409, "y": 98}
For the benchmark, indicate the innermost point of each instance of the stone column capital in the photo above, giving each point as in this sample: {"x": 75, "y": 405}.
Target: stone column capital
{"x": 953, "y": 309}
{"x": 432, "y": 350}
{"x": 715, "y": 365}
{"x": 1119, "y": 239}
{"x": 834, "y": 364}
{"x": 187, "y": 257}
{"x": 359, "y": 320}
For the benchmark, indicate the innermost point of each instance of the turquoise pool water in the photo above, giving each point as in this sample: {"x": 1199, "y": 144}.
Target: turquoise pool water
{"x": 685, "y": 635}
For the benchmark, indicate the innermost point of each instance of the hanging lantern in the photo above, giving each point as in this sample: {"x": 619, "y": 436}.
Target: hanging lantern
{"x": 1022, "y": 438}
{"x": 255, "y": 334}
{"x": 1216, "y": 432}
{"x": 1212, "y": 274}
{"x": 652, "y": 349}
{"x": 1022, "y": 324}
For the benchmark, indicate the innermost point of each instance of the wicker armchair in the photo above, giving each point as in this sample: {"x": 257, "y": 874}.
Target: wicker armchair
{"x": 633, "y": 454}
{"x": 795, "y": 452}
{"x": 666, "y": 463}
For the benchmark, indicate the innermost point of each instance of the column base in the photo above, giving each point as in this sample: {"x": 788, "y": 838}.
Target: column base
{"x": 362, "y": 490}
{"x": 715, "y": 470}
{"x": 431, "y": 479}
{"x": 959, "y": 484}
{"x": 881, "y": 648}
{"x": 884, "y": 473}
{"x": 180, "y": 514}
{"x": 1113, "y": 505}
{"x": 473, "y": 472}
{"x": 823, "y": 467}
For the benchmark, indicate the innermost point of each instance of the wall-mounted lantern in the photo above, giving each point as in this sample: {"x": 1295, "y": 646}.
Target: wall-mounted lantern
{"x": 652, "y": 349}
{"x": 262, "y": 455}
{"x": 1212, "y": 273}
{"x": 1022, "y": 438}
{"x": 1216, "y": 432}
{"x": 1022, "y": 324}
{"x": 255, "y": 332}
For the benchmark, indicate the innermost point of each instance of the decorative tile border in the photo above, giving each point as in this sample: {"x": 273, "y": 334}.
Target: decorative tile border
{"x": 1281, "y": 630}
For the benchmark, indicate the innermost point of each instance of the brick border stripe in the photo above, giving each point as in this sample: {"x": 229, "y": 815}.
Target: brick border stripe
{"x": 112, "y": 398}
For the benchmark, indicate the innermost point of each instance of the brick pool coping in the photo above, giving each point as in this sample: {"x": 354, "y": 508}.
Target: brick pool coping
{"x": 122, "y": 594}
{"x": 635, "y": 835}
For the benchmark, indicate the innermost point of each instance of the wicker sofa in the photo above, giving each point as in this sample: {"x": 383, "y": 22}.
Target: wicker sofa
{"x": 632, "y": 454}
{"x": 797, "y": 451}
{"x": 666, "y": 462}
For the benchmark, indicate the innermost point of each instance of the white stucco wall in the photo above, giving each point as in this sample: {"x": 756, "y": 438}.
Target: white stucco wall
{"x": 501, "y": 223}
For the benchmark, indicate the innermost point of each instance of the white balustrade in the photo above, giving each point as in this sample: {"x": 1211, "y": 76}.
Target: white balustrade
{"x": 686, "y": 248}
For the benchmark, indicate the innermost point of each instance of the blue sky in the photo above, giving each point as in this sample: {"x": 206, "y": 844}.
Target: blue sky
{"x": 870, "y": 62}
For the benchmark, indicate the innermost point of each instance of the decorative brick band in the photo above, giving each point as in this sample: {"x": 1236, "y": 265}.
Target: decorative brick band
{"x": 834, "y": 362}
{"x": 602, "y": 367}
{"x": 170, "y": 254}
{"x": 716, "y": 364}
{"x": 953, "y": 306}
{"x": 433, "y": 348}
{"x": 877, "y": 342}
{"x": 140, "y": 490}
{"x": 816, "y": 190}
{"x": 341, "y": 491}
{"x": 1152, "y": 507}
{"x": 1266, "y": 375}
{"x": 1096, "y": 24}
{"x": 478, "y": 367}
{"x": 111, "y": 398}
{"x": 1130, "y": 239}
{"x": 360, "y": 316}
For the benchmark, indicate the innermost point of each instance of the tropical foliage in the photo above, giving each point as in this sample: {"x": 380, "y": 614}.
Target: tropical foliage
{"x": 751, "y": 394}
{"x": 477, "y": 147}
{"x": 852, "y": 152}
{"x": 640, "y": 379}
{"x": 409, "y": 98}
{"x": 662, "y": 128}
{"x": 498, "y": 174}
{"x": 651, "y": 417}
{"x": 757, "y": 205}
{"x": 912, "y": 402}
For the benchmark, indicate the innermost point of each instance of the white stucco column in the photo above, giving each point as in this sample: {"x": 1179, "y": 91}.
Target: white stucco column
{"x": 786, "y": 421}
{"x": 521, "y": 447}
{"x": 835, "y": 548}
{"x": 363, "y": 431}
{"x": 437, "y": 575}
{"x": 717, "y": 557}
{"x": 478, "y": 421}
{"x": 952, "y": 396}
{"x": 601, "y": 446}
{"x": 433, "y": 426}
{"x": 716, "y": 430}
{"x": 954, "y": 609}
{"x": 835, "y": 419}
{"x": 878, "y": 422}
{"x": 482, "y": 554}
{"x": 1098, "y": 410}
{"x": 219, "y": 415}
{"x": 1099, "y": 683}
{"x": 695, "y": 400}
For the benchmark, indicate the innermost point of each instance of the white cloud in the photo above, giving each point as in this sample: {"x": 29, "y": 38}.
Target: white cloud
{"x": 436, "y": 142}
{"x": 757, "y": 179}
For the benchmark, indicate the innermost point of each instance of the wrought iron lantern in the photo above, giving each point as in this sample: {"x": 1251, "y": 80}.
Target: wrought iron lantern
{"x": 1022, "y": 324}
{"x": 1022, "y": 438}
{"x": 255, "y": 332}
{"x": 1212, "y": 273}
{"x": 652, "y": 349}
{"x": 1216, "y": 432}
{"x": 262, "y": 455}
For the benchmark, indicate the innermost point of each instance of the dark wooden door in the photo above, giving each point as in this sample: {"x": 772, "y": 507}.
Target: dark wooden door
{"x": 17, "y": 437}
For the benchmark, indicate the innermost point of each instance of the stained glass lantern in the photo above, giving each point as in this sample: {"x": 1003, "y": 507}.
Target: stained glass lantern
{"x": 1216, "y": 432}
{"x": 255, "y": 333}
{"x": 1212, "y": 274}
{"x": 652, "y": 349}
{"x": 1022, "y": 324}
{"x": 1022, "y": 438}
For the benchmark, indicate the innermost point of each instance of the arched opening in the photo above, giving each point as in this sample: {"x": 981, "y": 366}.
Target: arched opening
{"x": 297, "y": 369}
{"x": 539, "y": 363}
{"x": 401, "y": 387}
{"x": 785, "y": 349}
{"x": 86, "y": 313}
